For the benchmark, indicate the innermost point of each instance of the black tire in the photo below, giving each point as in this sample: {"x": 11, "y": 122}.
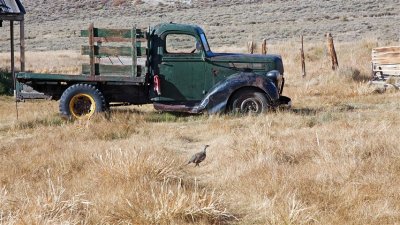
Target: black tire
{"x": 249, "y": 102}
{"x": 81, "y": 101}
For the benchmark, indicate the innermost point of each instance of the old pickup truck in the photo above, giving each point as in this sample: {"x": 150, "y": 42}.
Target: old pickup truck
{"x": 170, "y": 66}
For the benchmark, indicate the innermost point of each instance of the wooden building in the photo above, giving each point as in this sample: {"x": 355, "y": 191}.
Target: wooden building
{"x": 13, "y": 10}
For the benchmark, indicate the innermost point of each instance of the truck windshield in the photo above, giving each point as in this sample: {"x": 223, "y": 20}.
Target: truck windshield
{"x": 205, "y": 43}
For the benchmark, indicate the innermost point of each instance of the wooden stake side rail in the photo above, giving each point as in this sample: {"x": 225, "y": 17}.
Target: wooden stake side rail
{"x": 96, "y": 50}
{"x": 115, "y": 33}
{"x": 110, "y": 70}
{"x": 107, "y": 51}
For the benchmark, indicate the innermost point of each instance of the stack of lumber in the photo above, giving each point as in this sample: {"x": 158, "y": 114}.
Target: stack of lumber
{"x": 386, "y": 61}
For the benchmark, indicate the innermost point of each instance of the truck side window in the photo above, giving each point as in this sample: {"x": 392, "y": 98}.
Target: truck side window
{"x": 182, "y": 44}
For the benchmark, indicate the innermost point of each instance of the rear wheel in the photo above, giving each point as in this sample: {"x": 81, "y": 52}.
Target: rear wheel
{"x": 249, "y": 102}
{"x": 81, "y": 101}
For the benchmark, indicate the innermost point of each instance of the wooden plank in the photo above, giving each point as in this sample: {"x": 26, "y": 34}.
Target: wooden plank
{"x": 22, "y": 44}
{"x": 386, "y": 58}
{"x": 114, "y": 70}
{"x": 14, "y": 17}
{"x": 117, "y": 39}
{"x": 105, "y": 51}
{"x": 114, "y": 33}
{"x": 388, "y": 66}
{"x": 389, "y": 69}
{"x": 134, "y": 52}
{"x": 91, "y": 49}
{"x": 386, "y": 49}
{"x": 12, "y": 52}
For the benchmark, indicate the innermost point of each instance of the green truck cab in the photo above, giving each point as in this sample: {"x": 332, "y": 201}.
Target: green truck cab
{"x": 172, "y": 67}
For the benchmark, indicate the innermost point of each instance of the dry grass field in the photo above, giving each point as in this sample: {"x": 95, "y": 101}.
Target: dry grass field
{"x": 332, "y": 159}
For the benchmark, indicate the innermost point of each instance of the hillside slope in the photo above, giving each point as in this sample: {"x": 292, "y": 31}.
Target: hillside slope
{"x": 53, "y": 25}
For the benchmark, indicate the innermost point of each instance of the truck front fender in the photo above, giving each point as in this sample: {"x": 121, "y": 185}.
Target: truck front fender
{"x": 217, "y": 98}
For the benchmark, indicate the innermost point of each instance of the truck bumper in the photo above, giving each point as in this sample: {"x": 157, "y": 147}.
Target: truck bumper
{"x": 284, "y": 101}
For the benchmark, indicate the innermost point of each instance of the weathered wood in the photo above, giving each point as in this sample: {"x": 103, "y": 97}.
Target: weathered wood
{"x": 107, "y": 70}
{"x": 13, "y": 17}
{"x": 91, "y": 49}
{"x": 386, "y": 49}
{"x": 134, "y": 52}
{"x": 117, "y": 39}
{"x": 386, "y": 55}
{"x": 332, "y": 51}
{"x": 303, "y": 61}
{"x": 105, "y": 51}
{"x": 386, "y": 61}
{"x": 264, "y": 47}
{"x": 250, "y": 47}
{"x": 22, "y": 45}
{"x": 114, "y": 33}
{"x": 12, "y": 51}
{"x": 387, "y": 69}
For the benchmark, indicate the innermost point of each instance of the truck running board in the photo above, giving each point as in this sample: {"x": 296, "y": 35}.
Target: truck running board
{"x": 175, "y": 108}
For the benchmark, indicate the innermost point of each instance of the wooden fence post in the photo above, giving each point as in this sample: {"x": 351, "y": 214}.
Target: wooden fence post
{"x": 332, "y": 51}
{"x": 303, "y": 61}
{"x": 250, "y": 47}
{"x": 12, "y": 55}
{"x": 264, "y": 48}
{"x": 22, "y": 44}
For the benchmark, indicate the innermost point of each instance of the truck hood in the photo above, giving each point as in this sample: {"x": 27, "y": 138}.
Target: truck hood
{"x": 239, "y": 57}
{"x": 251, "y": 61}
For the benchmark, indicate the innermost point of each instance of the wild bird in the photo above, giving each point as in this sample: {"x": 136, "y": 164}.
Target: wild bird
{"x": 199, "y": 157}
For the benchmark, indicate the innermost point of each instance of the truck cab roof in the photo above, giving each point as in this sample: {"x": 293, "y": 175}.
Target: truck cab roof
{"x": 187, "y": 28}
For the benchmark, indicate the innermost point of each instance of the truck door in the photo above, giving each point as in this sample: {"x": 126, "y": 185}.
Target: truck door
{"x": 182, "y": 68}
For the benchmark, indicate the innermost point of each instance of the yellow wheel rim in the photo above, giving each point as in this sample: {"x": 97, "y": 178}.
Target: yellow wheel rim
{"x": 82, "y": 106}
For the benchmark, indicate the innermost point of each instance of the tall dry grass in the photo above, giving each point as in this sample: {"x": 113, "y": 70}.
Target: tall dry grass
{"x": 331, "y": 159}
{"x": 63, "y": 61}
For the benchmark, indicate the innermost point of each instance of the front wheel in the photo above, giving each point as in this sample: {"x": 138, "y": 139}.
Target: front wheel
{"x": 249, "y": 102}
{"x": 81, "y": 101}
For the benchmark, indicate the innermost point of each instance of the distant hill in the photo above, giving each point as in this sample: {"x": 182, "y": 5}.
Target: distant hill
{"x": 53, "y": 25}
